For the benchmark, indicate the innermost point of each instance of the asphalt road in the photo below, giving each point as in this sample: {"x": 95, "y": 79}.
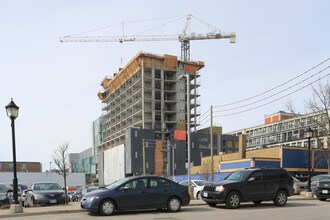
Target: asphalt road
{"x": 295, "y": 209}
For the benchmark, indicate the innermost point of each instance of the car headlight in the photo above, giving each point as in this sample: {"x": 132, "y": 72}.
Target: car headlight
{"x": 219, "y": 188}
{"x": 63, "y": 195}
{"x": 94, "y": 198}
{"x": 37, "y": 196}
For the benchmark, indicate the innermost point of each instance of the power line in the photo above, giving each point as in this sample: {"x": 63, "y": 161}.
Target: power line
{"x": 283, "y": 90}
{"x": 203, "y": 116}
{"x": 203, "y": 123}
{"x": 250, "y": 109}
{"x": 267, "y": 91}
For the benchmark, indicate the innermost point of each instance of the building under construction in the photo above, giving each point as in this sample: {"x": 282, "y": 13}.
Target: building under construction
{"x": 149, "y": 93}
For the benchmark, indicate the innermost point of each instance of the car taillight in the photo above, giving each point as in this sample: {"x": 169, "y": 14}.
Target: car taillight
{"x": 292, "y": 183}
{"x": 317, "y": 184}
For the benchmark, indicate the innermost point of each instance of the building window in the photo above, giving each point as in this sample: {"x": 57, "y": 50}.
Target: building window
{"x": 23, "y": 168}
{"x": 10, "y": 167}
{"x": 136, "y": 154}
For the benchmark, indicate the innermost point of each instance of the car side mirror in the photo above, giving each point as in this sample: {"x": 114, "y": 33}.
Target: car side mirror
{"x": 251, "y": 179}
{"x": 124, "y": 188}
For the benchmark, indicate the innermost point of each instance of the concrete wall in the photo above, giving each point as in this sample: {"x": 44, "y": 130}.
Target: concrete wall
{"x": 114, "y": 164}
{"x": 100, "y": 168}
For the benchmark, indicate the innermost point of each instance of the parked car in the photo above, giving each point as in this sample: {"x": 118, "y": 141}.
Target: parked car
{"x": 255, "y": 184}
{"x": 298, "y": 186}
{"x": 87, "y": 190}
{"x": 73, "y": 197}
{"x": 316, "y": 179}
{"x": 45, "y": 193}
{"x": 6, "y": 194}
{"x": 23, "y": 197}
{"x": 322, "y": 190}
{"x": 139, "y": 192}
{"x": 198, "y": 186}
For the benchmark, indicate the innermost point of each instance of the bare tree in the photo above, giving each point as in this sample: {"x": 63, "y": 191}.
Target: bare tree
{"x": 205, "y": 170}
{"x": 61, "y": 160}
{"x": 319, "y": 105}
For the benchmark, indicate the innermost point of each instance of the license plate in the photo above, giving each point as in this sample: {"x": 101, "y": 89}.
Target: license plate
{"x": 52, "y": 201}
{"x": 205, "y": 194}
{"x": 324, "y": 191}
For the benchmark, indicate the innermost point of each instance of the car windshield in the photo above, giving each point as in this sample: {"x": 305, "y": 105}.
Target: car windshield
{"x": 295, "y": 179}
{"x": 117, "y": 183}
{"x": 46, "y": 186}
{"x": 239, "y": 175}
{"x": 201, "y": 182}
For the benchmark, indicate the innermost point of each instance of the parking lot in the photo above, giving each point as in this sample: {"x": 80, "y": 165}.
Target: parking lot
{"x": 297, "y": 208}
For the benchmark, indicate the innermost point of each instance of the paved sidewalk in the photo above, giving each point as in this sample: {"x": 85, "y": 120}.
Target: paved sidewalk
{"x": 75, "y": 207}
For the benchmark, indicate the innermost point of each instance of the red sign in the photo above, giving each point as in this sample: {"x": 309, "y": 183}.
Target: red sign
{"x": 180, "y": 135}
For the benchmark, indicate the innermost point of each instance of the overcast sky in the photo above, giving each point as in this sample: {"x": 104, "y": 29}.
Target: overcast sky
{"x": 56, "y": 84}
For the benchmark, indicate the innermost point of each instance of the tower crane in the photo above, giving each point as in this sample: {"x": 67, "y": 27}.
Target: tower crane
{"x": 185, "y": 37}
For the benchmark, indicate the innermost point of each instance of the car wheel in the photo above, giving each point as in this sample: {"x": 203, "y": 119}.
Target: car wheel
{"x": 173, "y": 204}
{"x": 33, "y": 202}
{"x": 321, "y": 199}
{"x": 198, "y": 195}
{"x": 212, "y": 204}
{"x": 107, "y": 207}
{"x": 280, "y": 198}
{"x": 257, "y": 202}
{"x": 233, "y": 200}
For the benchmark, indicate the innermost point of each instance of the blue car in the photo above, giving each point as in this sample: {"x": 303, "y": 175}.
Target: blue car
{"x": 139, "y": 192}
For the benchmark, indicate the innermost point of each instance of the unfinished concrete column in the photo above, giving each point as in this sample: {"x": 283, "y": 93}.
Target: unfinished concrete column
{"x": 242, "y": 146}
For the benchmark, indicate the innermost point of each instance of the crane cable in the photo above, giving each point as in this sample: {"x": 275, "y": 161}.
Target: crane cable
{"x": 121, "y": 23}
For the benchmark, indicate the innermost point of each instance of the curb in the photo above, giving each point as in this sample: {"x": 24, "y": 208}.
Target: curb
{"x": 39, "y": 213}
{"x": 66, "y": 211}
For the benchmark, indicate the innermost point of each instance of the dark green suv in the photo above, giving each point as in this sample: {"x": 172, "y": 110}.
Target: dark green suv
{"x": 255, "y": 184}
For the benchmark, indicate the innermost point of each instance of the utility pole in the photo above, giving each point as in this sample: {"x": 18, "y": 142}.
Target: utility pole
{"x": 173, "y": 164}
{"x": 168, "y": 153}
{"x": 144, "y": 156}
{"x": 211, "y": 145}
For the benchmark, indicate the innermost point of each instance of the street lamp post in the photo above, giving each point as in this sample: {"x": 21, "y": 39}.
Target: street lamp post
{"x": 187, "y": 76}
{"x": 12, "y": 113}
{"x": 50, "y": 171}
{"x": 309, "y": 135}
